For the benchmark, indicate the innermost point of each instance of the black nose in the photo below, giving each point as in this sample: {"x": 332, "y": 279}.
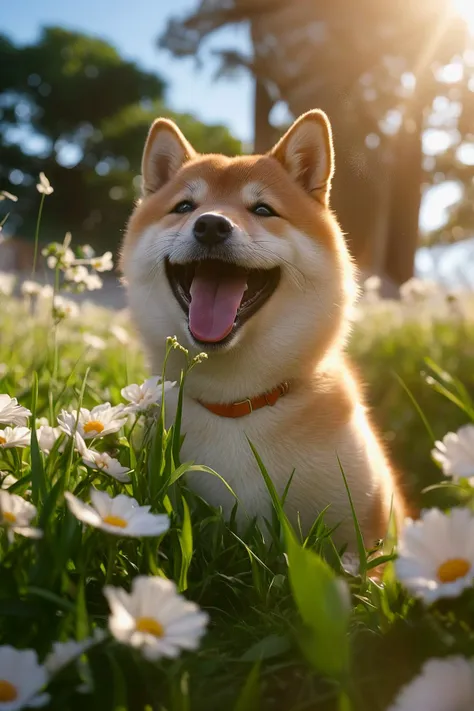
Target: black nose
{"x": 211, "y": 229}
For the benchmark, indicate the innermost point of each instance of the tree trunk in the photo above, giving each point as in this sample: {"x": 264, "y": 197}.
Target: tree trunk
{"x": 405, "y": 199}
{"x": 264, "y": 133}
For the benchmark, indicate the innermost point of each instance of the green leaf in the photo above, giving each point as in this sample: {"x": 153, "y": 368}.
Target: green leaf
{"x": 271, "y": 646}
{"x": 178, "y": 419}
{"x": 323, "y": 602}
{"x": 180, "y": 693}
{"x": 185, "y": 468}
{"x": 249, "y": 697}
{"x": 380, "y": 560}
{"x": 186, "y": 545}
{"x": 82, "y": 621}
{"x": 118, "y": 692}
{"x": 60, "y": 602}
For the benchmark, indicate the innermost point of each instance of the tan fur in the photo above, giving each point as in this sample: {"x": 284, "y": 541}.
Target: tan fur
{"x": 298, "y": 335}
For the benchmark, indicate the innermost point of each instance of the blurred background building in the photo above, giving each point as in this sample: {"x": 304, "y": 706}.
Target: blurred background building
{"x": 79, "y": 87}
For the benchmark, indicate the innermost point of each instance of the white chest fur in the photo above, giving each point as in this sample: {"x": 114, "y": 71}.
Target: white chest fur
{"x": 222, "y": 444}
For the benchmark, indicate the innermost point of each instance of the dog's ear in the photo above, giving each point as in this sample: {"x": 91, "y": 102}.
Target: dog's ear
{"x": 306, "y": 152}
{"x": 166, "y": 150}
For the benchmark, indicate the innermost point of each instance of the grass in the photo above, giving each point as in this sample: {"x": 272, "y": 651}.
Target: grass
{"x": 284, "y": 632}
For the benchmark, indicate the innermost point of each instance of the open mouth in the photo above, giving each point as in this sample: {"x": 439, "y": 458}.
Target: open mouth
{"x": 218, "y": 297}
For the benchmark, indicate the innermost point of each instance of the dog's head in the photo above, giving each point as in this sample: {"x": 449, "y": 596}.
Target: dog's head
{"x": 239, "y": 257}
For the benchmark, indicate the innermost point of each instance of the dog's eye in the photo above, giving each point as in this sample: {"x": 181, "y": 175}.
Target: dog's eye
{"x": 263, "y": 210}
{"x": 184, "y": 206}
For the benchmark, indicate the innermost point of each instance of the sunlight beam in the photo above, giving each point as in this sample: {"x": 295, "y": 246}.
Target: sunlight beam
{"x": 465, "y": 9}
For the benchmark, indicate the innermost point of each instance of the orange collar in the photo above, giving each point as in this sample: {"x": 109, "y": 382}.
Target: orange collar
{"x": 246, "y": 407}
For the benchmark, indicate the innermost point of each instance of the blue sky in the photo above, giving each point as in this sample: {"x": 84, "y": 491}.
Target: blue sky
{"x": 133, "y": 28}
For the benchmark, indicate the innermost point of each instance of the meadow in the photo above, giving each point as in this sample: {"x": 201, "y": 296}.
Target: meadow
{"x": 121, "y": 589}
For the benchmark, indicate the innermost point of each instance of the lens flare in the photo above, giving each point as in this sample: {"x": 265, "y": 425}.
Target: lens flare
{"x": 465, "y": 8}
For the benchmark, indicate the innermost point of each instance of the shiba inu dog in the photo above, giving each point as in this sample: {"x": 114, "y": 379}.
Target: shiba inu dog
{"x": 243, "y": 259}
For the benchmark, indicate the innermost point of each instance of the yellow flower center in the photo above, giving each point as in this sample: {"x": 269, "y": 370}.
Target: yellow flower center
{"x": 93, "y": 426}
{"x": 2, "y": 440}
{"x": 8, "y": 692}
{"x": 453, "y": 569}
{"x": 8, "y": 516}
{"x": 150, "y": 626}
{"x": 115, "y": 521}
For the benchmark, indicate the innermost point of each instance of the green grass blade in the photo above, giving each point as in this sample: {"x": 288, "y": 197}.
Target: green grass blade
{"x": 38, "y": 480}
{"x": 249, "y": 697}
{"x": 417, "y": 407}
{"x": 186, "y": 545}
{"x": 359, "y": 537}
{"x": 277, "y": 504}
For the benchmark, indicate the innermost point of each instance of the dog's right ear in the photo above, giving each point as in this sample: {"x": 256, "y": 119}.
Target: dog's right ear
{"x": 166, "y": 150}
{"x": 306, "y": 152}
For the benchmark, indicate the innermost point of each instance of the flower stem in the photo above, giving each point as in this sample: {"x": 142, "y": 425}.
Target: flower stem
{"x": 111, "y": 559}
{"x": 38, "y": 223}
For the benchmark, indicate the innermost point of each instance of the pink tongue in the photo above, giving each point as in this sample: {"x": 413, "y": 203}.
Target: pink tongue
{"x": 215, "y": 299}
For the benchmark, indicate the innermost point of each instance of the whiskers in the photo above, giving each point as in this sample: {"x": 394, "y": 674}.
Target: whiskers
{"x": 253, "y": 254}
{"x": 299, "y": 279}
{"x": 152, "y": 254}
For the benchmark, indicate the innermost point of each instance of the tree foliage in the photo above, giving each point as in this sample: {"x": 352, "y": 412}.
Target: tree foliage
{"x": 374, "y": 66}
{"x": 72, "y": 107}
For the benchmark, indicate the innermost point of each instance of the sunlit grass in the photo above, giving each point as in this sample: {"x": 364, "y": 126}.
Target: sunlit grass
{"x": 280, "y": 619}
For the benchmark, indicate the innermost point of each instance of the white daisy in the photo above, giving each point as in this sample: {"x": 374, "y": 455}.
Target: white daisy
{"x": 120, "y": 334}
{"x": 103, "y": 263}
{"x": 44, "y": 186}
{"x": 436, "y": 554}
{"x": 350, "y": 563}
{"x": 419, "y": 289}
{"x": 148, "y": 393}
{"x": 47, "y": 437}
{"x": 373, "y": 283}
{"x": 7, "y": 480}
{"x": 7, "y": 283}
{"x": 59, "y": 254}
{"x": 47, "y": 292}
{"x": 105, "y": 463}
{"x": 371, "y": 290}
{"x": 15, "y": 437}
{"x": 94, "y": 341}
{"x": 93, "y": 282}
{"x": 22, "y": 679}
{"x": 77, "y": 274}
{"x": 98, "y": 422}
{"x": 121, "y": 516}
{"x": 5, "y": 195}
{"x": 155, "y": 618}
{"x": 11, "y": 412}
{"x": 63, "y": 653}
{"x": 87, "y": 251}
{"x": 456, "y": 453}
{"x": 443, "y": 685}
{"x": 16, "y": 515}
{"x": 31, "y": 288}
{"x": 64, "y": 308}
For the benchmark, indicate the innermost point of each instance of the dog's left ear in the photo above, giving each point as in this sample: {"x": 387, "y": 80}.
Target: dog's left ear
{"x": 166, "y": 151}
{"x": 306, "y": 152}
